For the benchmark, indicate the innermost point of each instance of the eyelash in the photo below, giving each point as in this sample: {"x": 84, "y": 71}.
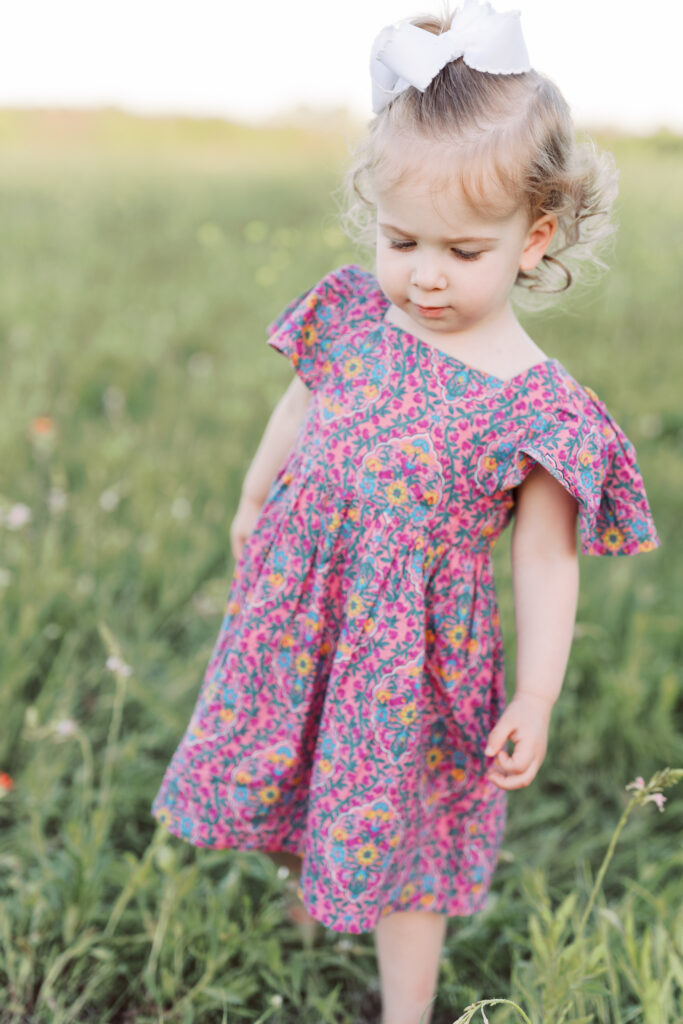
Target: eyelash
{"x": 403, "y": 246}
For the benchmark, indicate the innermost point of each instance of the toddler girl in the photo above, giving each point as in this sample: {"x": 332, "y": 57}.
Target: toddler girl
{"x": 352, "y": 720}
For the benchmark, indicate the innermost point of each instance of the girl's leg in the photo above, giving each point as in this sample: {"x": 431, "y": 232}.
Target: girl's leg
{"x": 409, "y": 944}
{"x": 308, "y": 926}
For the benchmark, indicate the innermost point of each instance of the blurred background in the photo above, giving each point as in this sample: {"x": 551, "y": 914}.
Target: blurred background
{"x": 618, "y": 63}
{"x": 167, "y": 177}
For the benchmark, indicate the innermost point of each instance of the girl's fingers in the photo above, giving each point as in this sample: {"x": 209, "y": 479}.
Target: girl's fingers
{"x": 522, "y": 755}
{"x": 497, "y": 739}
{"x": 513, "y": 781}
{"x": 527, "y": 749}
{"x": 504, "y": 761}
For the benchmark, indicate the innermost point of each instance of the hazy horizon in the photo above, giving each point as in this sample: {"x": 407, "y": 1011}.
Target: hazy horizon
{"x": 248, "y": 66}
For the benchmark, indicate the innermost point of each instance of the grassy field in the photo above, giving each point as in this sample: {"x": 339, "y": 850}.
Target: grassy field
{"x": 139, "y": 266}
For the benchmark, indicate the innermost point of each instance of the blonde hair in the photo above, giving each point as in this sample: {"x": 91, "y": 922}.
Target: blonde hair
{"x": 514, "y": 145}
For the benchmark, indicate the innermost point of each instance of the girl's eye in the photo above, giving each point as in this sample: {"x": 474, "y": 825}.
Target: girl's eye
{"x": 459, "y": 252}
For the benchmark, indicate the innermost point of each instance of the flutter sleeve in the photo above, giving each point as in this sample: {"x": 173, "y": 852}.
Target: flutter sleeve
{"x": 306, "y": 329}
{"x": 584, "y": 449}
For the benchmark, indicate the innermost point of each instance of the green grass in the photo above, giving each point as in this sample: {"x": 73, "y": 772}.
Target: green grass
{"x": 136, "y": 281}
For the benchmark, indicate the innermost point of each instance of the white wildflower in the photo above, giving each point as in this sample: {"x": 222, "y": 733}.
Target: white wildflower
{"x": 19, "y": 515}
{"x": 66, "y": 727}
{"x": 117, "y": 665}
{"x": 109, "y": 499}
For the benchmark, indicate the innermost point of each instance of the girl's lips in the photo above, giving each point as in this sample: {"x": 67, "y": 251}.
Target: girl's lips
{"x": 431, "y": 310}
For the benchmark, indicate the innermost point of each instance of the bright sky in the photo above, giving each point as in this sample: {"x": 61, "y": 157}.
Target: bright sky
{"x": 617, "y": 61}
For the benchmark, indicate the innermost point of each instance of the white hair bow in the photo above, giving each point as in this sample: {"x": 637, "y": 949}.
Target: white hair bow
{"x": 404, "y": 55}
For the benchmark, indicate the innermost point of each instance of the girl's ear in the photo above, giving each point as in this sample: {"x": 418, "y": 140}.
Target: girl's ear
{"x": 537, "y": 241}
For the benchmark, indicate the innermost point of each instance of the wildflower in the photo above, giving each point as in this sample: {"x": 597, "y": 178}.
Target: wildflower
{"x": 117, "y": 665}
{"x": 109, "y": 499}
{"x": 276, "y": 1000}
{"x": 18, "y": 516}
{"x": 651, "y": 792}
{"x": 66, "y": 727}
{"x": 6, "y": 783}
{"x": 42, "y": 425}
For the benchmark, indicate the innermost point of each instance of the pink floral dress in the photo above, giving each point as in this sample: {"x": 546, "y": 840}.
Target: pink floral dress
{"x": 359, "y": 666}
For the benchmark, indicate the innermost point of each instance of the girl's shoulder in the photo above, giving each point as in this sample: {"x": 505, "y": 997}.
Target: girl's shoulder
{"x": 552, "y": 386}
{"x": 567, "y": 428}
{"x": 348, "y": 293}
{"x": 562, "y": 411}
{"x": 352, "y": 279}
{"x": 308, "y": 328}
{"x": 350, "y": 290}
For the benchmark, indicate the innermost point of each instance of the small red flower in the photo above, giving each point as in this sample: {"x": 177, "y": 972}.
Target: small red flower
{"x": 42, "y": 425}
{"x": 6, "y": 782}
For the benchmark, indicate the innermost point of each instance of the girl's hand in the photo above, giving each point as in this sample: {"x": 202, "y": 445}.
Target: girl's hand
{"x": 525, "y": 722}
{"x": 248, "y": 511}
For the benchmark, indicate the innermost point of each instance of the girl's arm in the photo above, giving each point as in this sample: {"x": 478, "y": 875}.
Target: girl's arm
{"x": 275, "y": 445}
{"x": 278, "y": 438}
{"x": 545, "y": 572}
{"x": 545, "y": 581}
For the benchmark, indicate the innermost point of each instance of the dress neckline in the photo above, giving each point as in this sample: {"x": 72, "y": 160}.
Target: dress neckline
{"x": 440, "y": 353}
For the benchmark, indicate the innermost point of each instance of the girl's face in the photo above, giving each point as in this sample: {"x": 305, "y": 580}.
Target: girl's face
{"x": 445, "y": 266}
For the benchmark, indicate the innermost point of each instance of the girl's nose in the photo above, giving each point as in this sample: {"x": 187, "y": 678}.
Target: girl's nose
{"x": 427, "y": 273}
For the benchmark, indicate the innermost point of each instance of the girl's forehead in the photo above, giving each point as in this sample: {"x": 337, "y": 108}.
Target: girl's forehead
{"x": 444, "y": 184}
{"x": 421, "y": 202}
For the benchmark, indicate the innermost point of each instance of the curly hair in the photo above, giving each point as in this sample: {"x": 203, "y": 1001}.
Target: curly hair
{"x": 508, "y": 140}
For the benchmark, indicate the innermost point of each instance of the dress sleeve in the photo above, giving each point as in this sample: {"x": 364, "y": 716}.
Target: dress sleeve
{"x": 586, "y": 451}
{"x": 305, "y": 330}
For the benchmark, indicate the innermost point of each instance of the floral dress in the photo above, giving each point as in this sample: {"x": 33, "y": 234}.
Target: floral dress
{"x": 358, "y": 669}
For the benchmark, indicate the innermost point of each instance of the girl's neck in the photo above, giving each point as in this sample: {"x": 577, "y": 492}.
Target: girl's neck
{"x": 497, "y": 345}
